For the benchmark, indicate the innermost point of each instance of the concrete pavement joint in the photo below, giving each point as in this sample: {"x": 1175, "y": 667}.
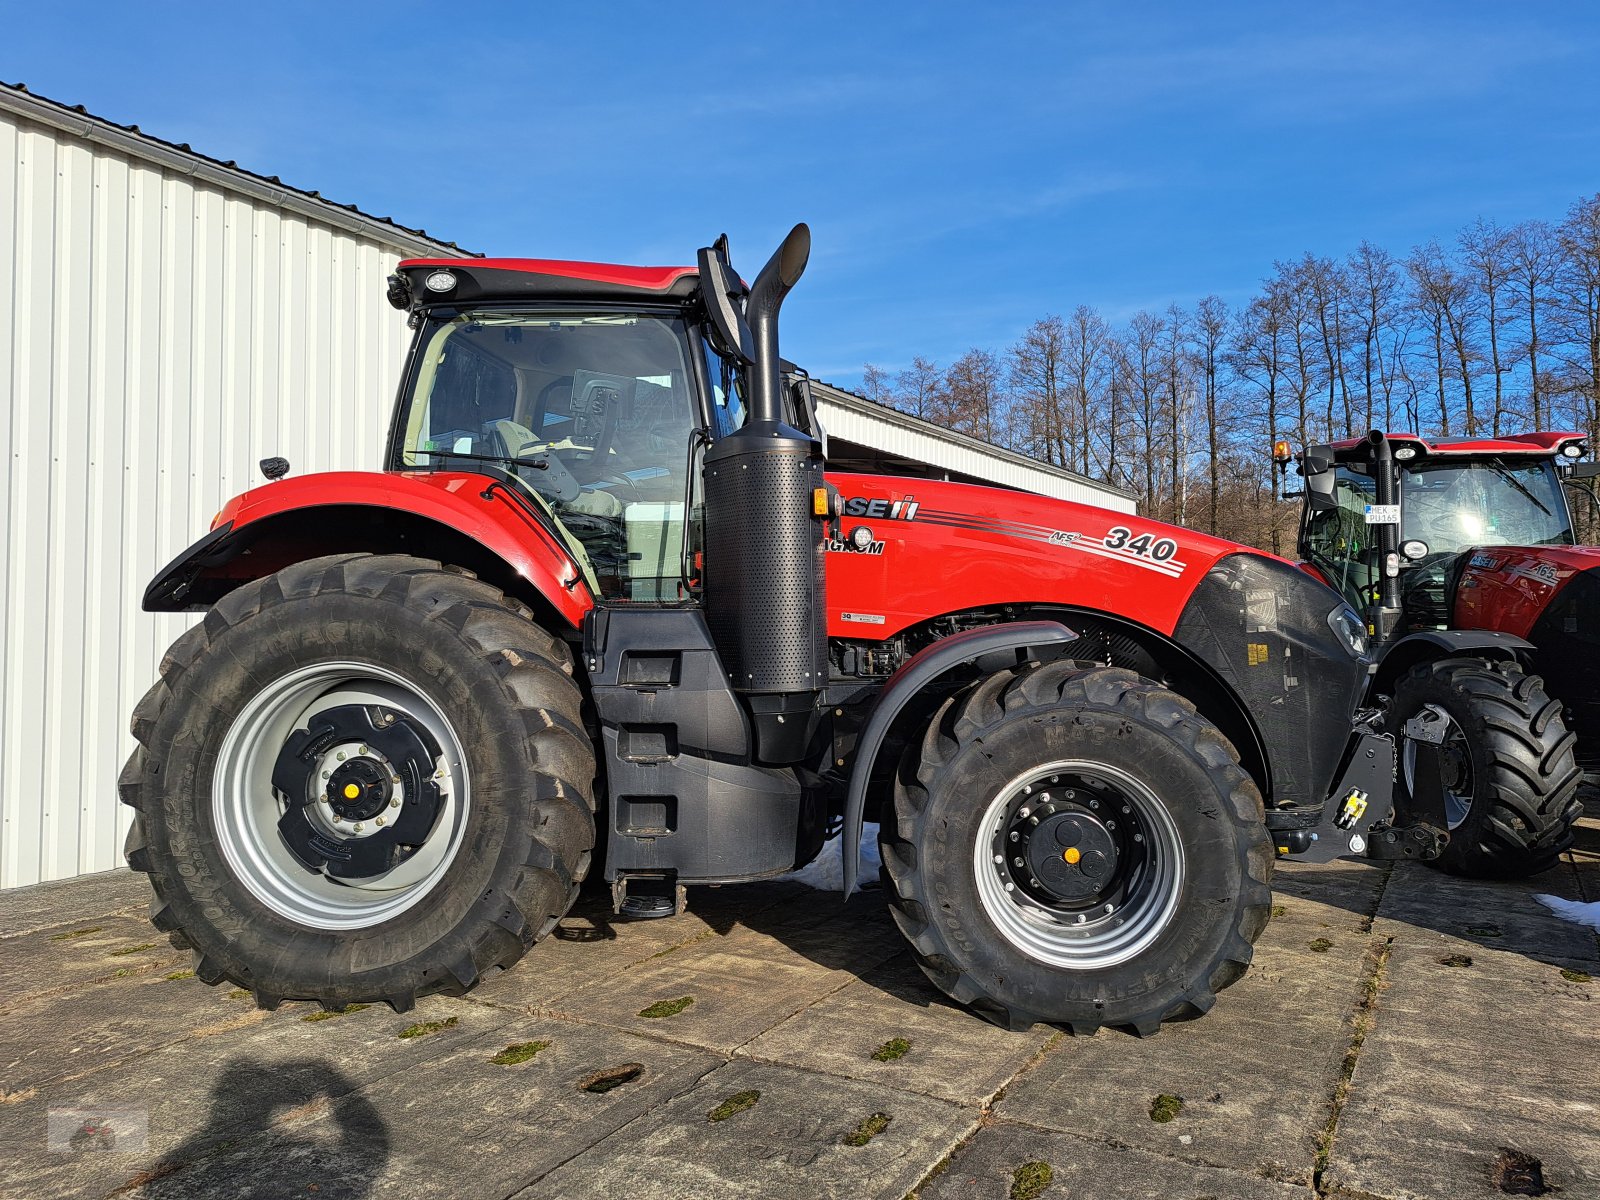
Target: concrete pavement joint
{"x": 1362, "y": 1022}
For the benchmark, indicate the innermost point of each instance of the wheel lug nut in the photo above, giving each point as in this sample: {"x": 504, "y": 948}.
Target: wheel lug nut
{"x": 1024, "y": 812}
{"x": 324, "y": 798}
{"x": 1110, "y": 908}
{"x": 340, "y": 756}
{"x": 1138, "y": 837}
{"x": 325, "y": 774}
{"x": 1094, "y": 804}
{"x": 1010, "y": 887}
{"x": 1044, "y": 797}
{"x": 1126, "y": 810}
{"x": 361, "y": 750}
{"x": 1081, "y": 919}
{"x": 1071, "y": 795}
{"x": 379, "y": 821}
{"x": 999, "y": 858}
{"x": 1015, "y": 835}
{"x": 358, "y": 826}
{"x": 394, "y": 803}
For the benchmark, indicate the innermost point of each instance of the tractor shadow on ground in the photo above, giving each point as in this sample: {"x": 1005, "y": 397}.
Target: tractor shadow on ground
{"x": 257, "y": 1127}
{"x": 858, "y": 936}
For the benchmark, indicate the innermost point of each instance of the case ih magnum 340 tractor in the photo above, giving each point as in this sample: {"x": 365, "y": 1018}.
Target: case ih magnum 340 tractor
{"x": 1430, "y": 536}
{"x": 603, "y": 605}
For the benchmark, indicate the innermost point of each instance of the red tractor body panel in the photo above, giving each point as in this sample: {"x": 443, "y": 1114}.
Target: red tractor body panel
{"x": 649, "y": 279}
{"x": 1508, "y": 588}
{"x": 454, "y": 499}
{"x": 939, "y": 548}
{"x": 1545, "y": 443}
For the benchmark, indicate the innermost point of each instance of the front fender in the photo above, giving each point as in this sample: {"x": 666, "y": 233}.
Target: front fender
{"x": 271, "y": 526}
{"x": 992, "y": 647}
{"x": 1403, "y": 654}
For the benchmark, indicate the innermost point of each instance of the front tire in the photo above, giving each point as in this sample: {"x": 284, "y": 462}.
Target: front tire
{"x": 1507, "y": 764}
{"x": 362, "y": 778}
{"x": 1077, "y": 846}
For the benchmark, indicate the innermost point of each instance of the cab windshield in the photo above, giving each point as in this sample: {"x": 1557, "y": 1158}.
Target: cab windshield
{"x": 592, "y": 413}
{"x": 1485, "y": 502}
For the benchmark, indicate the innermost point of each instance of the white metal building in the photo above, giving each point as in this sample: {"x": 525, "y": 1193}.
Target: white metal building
{"x": 166, "y": 321}
{"x": 866, "y": 436}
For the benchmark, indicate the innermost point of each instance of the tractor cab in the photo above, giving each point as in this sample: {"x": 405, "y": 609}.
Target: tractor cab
{"x": 1402, "y": 513}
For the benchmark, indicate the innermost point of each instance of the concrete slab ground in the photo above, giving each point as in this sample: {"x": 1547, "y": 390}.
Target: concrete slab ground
{"x": 1360, "y": 1057}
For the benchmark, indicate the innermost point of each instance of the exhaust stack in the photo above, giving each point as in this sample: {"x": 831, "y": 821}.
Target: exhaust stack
{"x": 763, "y": 541}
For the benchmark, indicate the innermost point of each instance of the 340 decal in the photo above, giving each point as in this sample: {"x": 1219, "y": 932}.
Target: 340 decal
{"x": 1145, "y": 545}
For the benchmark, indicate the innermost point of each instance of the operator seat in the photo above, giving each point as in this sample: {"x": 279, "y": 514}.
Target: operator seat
{"x": 518, "y": 440}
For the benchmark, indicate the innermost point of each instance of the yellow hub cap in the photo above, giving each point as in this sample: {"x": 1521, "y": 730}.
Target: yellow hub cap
{"x": 1072, "y": 855}
{"x": 351, "y": 791}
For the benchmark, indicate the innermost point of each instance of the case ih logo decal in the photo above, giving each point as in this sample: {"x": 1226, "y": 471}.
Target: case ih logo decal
{"x": 881, "y": 509}
{"x": 1147, "y": 550}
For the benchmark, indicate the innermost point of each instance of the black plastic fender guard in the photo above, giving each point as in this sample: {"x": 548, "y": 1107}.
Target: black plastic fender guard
{"x": 1400, "y": 656}
{"x": 1007, "y": 645}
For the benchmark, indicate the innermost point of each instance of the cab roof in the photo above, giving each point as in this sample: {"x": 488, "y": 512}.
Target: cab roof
{"x": 1538, "y": 444}
{"x": 478, "y": 280}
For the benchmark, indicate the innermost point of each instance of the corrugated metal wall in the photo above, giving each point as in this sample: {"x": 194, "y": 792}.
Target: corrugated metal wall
{"x": 857, "y": 420}
{"x": 158, "y": 336}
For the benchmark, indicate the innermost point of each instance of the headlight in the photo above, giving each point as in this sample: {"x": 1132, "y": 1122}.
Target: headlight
{"x": 1350, "y": 629}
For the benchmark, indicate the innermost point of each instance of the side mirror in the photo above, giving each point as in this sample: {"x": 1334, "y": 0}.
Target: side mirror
{"x": 1588, "y": 470}
{"x": 805, "y": 403}
{"x": 724, "y": 294}
{"x": 1316, "y": 464}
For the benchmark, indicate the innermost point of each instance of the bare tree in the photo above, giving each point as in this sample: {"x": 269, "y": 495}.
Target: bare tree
{"x": 972, "y": 394}
{"x": 1087, "y": 335}
{"x": 1580, "y": 244}
{"x": 1534, "y": 268}
{"x": 1211, "y": 326}
{"x": 1486, "y": 253}
{"x": 1037, "y": 365}
{"x": 1373, "y": 281}
{"x": 1143, "y": 349}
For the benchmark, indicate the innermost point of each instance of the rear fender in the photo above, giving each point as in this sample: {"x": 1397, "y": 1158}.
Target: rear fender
{"x": 465, "y": 519}
{"x": 1430, "y": 644}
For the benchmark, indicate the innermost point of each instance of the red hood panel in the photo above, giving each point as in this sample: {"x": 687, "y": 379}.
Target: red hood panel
{"x": 936, "y": 548}
{"x": 1506, "y": 588}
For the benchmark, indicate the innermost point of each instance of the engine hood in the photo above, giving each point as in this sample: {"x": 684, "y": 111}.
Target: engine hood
{"x": 906, "y": 550}
{"x": 1508, "y": 588}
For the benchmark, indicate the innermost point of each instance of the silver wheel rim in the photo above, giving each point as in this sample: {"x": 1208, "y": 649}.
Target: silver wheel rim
{"x": 1097, "y": 933}
{"x": 246, "y": 808}
{"x": 1457, "y": 798}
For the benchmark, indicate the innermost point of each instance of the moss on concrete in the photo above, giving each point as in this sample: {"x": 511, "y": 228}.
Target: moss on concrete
{"x": 666, "y": 1008}
{"x": 734, "y": 1105}
{"x": 74, "y": 933}
{"x": 518, "y": 1052}
{"x": 328, "y": 1014}
{"x": 1572, "y": 976}
{"x": 867, "y": 1129}
{"x": 1456, "y": 960}
{"x": 1165, "y": 1107}
{"x": 1321, "y": 945}
{"x": 139, "y": 949}
{"x": 424, "y": 1028}
{"x": 1029, "y": 1180}
{"x": 895, "y": 1047}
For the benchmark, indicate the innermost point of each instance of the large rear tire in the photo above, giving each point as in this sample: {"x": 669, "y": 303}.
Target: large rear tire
{"x": 1077, "y": 846}
{"x": 363, "y": 778}
{"x": 1507, "y": 765}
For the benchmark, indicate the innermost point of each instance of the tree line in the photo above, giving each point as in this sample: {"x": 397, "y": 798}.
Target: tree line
{"x": 1495, "y": 332}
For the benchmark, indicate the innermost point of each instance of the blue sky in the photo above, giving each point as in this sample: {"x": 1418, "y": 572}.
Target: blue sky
{"x": 965, "y": 168}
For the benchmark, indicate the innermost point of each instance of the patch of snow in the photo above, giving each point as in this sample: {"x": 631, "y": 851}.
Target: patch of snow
{"x": 826, "y": 871}
{"x": 1575, "y": 911}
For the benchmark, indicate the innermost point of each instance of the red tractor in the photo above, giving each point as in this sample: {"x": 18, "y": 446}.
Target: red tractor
{"x": 1444, "y": 539}
{"x": 604, "y": 606}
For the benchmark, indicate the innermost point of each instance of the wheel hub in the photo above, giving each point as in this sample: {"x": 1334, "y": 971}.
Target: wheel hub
{"x": 358, "y": 789}
{"x": 1079, "y": 864}
{"x": 361, "y": 788}
{"x": 1070, "y": 854}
